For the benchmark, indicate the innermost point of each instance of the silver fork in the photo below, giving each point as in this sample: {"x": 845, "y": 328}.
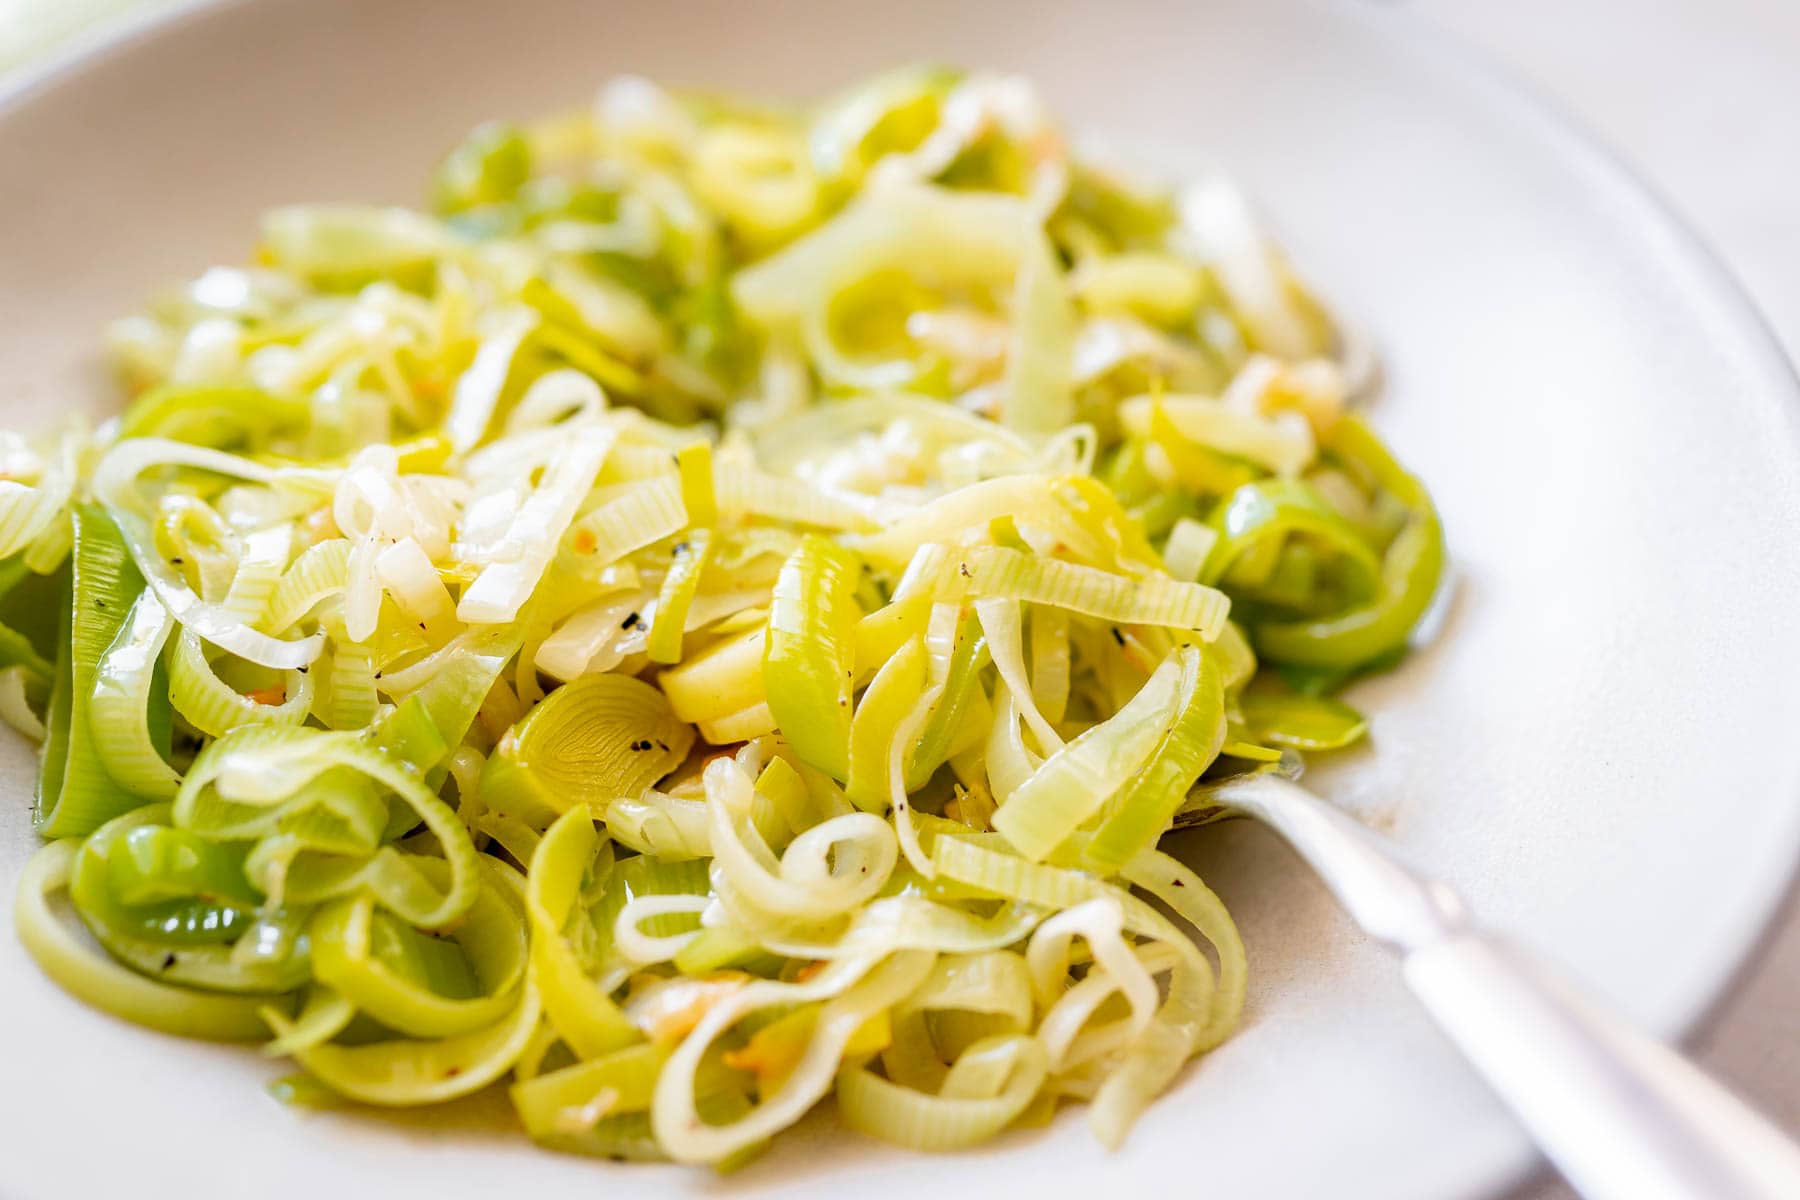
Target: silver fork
{"x": 1621, "y": 1115}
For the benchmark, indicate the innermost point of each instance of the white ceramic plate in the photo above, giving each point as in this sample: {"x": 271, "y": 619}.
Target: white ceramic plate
{"x": 1600, "y": 750}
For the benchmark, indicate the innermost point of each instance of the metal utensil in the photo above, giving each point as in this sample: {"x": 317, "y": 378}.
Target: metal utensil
{"x": 1621, "y": 1115}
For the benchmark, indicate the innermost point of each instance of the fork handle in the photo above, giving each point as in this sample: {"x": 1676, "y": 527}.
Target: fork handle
{"x": 1622, "y": 1116}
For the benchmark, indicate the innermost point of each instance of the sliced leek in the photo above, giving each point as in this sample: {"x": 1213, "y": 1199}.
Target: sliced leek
{"x": 718, "y": 613}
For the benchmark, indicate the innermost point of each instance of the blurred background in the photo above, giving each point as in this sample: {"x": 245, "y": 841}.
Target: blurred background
{"x": 1699, "y": 97}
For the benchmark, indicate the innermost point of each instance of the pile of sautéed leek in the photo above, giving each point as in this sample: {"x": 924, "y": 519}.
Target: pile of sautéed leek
{"x": 716, "y": 613}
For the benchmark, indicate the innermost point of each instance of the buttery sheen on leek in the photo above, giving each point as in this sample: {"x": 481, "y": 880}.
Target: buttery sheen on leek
{"x": 715, "y": 615}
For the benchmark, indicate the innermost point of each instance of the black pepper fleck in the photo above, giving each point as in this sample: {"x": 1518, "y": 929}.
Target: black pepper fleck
{"x": 168, "y": 960}
{"x": 1117, "y": 636}
{"x": 631, "y": 621}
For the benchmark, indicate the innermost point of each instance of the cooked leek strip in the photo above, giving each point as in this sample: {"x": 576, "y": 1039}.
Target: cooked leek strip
{"x": 347, "y": 242}
{"x": 890, "y": 697}
{"x": 106, "y": 985}
{"x": 818, "y": 434}
{"x": 855, "y": 988}
{"x": 346, "y": 957}
{"x": 324, "y": 1015}
{"x": 725, "y": 678}
{"x": 582, "y": 1014}
{"x": 642, "y": 517}
{"x": 18, "y": 648}
{"x": 758, "y": 179}
{"x": 639, "y": 948}
{"x": 749, "y": 493}
{"x": 76, "y": 794}
{"x": 217, "y": 415}
{"x": 238, "y": 784}
{"x": 806, "y": 657}
{"x": 1003, "y": 574}
{"x": 1076, "y": 781}
{"x": 740, "y": 726}
{"x": 598, "y": 325}
{"x": 350, "y": 697}
{"x": 998, "y": 873}
{"x": 1176, "y": 886}
{"x": 1100, "y": 923}
{"x": 1409, "y": 573}
{"x": 490, "y": 166}
{"x": 410, "y": 578}
{"x": 677, "y": 596}
{"x": 966, "y": 998}
{"x": 497, "y": 594}
{"x": 27, "y": 511}
{"x": 945, "y": 240}
{"x": 126, "y": 711}
{"x": 115, "y": 485}
{"x": 1197, "y": 1009}
{"x": 210, "y": 705}
{"x": 823, "y": 874}
{"x": 1301, "y": 722}
{"x": 1283, "y": 444}
{"x": 1259, "y": 515}
{"x": 949, "y": 728}
{"x": 890, "y": 113}
{"x": 1039, "y": 362}
{"x": 600, "y": 737}
{"x": 999, "y": 617}
{"x": 15, "y": 705}
{"x": 50, "y": 549}
{"x": 170, "y": 905}
{"x": 260, "y": 559}
{"x": 593, "y": 639}
{"x": 722, "y": 612}
{"x": 408, "y": 1072}
{"x": 670, "y": 828}
{"x": 1050, "y": 662}
{"x": 694, "y": 465}
{"x": 478, "y": 390}
{"x": 1026, "y": 499}
{"x": 574, "y": 1100}
{"x": 989, "y": 1087}
{"x": 453, "y": 694}
{"x": 1189, "y": 546}
{"x": 1142, "y": 812}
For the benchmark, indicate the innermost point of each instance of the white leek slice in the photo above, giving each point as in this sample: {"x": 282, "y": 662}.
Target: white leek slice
{"x": 503, "y": 587}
